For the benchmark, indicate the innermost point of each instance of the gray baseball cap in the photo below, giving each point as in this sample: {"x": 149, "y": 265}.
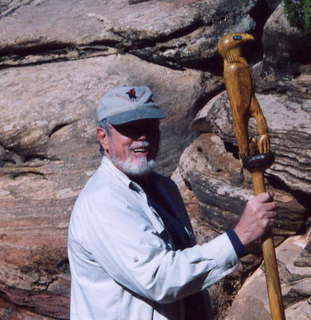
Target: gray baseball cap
{"x": 124, "y": 104}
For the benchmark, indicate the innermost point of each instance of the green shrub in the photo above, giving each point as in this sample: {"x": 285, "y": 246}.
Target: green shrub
{"x": 298, "y": 13}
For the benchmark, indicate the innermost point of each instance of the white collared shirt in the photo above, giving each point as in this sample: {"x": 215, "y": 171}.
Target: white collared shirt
{"x": 122, "y": 262}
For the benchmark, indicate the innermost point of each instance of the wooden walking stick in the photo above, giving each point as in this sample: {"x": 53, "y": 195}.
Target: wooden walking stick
{"x": 255, "y": 155}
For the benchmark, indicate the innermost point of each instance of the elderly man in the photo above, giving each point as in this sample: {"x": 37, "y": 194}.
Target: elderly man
{"x": 131, "y": 246}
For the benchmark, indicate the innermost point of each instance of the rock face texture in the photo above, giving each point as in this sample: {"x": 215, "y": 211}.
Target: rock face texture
{"x": 296, "y": 286}
{"x": 58, "y": 57}
{"x": 172, "y": 33}
{"x": 292, "y": 46}
{"x": 289, "y": 126}
{"x": 48, "y": 135}
{"x": 55, "y": 112}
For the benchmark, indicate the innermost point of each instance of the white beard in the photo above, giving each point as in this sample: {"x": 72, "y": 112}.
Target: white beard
{"x": 137, "y": 168}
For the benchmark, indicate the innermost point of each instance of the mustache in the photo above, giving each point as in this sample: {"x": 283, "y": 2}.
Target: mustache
{"x": 140, "y": 144}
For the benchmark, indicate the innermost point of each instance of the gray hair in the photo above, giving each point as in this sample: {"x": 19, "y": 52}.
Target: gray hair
{"x": 104, "y": 124}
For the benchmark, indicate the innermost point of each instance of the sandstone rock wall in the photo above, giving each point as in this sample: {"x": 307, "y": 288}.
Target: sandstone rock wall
{"x": 58, "y": 57}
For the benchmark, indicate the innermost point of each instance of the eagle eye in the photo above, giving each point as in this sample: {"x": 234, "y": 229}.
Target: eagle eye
{"x": 237, "y": 38}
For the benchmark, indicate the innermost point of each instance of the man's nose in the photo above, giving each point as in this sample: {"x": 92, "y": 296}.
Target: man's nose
{"x": 142, "y": 136}
{"x": 143, "y": 133}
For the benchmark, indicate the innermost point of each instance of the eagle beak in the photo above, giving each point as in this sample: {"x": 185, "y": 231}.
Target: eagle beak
{"x": 248, "y": 37}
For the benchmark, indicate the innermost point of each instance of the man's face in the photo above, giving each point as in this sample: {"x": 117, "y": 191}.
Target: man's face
{"x": 133, "y": 147}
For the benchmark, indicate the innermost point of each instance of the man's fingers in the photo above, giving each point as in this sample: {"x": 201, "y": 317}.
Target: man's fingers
{"x": 264, "y": 197}
{"x": 270, "y": 206}
{"x": 271, "y": 214}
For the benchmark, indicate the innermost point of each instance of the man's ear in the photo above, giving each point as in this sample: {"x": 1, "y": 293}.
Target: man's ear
{"x": 102, "y": 138}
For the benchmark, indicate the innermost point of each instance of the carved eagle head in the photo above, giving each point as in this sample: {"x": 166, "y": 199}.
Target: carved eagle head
{"x": 229, "y": 46}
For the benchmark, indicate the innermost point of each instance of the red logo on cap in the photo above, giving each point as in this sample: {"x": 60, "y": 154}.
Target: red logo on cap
{"x": 132, "y": 94}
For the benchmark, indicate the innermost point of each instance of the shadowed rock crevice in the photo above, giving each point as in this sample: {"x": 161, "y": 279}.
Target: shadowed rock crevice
{"x": 16, "y": 172}
{"x": 233, "y": 149}
{"x": 35, "y": 47}
{"x": 55, "y": 305}
{"x": 51, "y": 53}
{"x": 134, "y": 40}
{"x": 18, "y": 157}
{"x": 304, "y": 198}
{"x": 8, "y": 156}
{"x": 60, "y": 126}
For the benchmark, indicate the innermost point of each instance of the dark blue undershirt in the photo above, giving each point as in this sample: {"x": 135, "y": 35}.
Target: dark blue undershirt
{"x": 236, "y": 243}
{"x": 196, "y": 306}
{"x": 175, "y": 227}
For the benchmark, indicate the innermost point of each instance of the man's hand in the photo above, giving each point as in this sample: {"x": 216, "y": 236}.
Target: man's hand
{"x": 259, "y": 214}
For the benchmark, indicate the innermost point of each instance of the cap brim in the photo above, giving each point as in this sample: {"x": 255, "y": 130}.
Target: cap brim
{"x": 134, "y": 115}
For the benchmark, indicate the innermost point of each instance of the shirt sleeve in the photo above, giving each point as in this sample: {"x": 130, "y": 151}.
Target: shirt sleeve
{"x": 123, "y": 241}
